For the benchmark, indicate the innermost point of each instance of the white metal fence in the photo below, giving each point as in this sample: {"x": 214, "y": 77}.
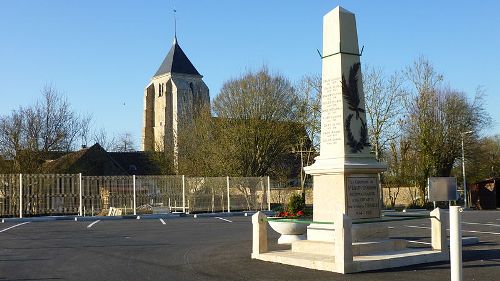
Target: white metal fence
{"x": 47, "y": 194}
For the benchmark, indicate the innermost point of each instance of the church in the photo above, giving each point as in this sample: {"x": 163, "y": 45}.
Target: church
{"x": 173, "y": 97}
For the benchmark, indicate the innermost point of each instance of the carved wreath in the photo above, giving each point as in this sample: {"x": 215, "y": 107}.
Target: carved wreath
{"x": 351, "y": 95}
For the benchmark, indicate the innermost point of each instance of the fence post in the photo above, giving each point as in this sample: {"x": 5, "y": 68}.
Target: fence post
{"x": 133, "y": 187}
{"x": 80, "y": 209}
{"x": 183, "y": 194}
{"x": 20, "y": 195}
{"x": 455, "y": 244}
{"x": 268, "y": 193}
{"x": 228, "y": 197}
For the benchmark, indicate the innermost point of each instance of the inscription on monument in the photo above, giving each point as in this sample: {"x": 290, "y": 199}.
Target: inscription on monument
{"x": 362, "y": 197}
{"x": 331, "y": 112}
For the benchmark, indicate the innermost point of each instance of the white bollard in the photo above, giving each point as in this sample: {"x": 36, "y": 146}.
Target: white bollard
{"x": 456, "y": 244}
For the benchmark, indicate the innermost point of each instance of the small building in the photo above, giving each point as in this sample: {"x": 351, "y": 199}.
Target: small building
{"x": 485, "y": 194}
{"x": 96, "y": 161}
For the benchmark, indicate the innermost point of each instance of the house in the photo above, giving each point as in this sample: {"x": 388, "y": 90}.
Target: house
{"x": 485, "y": 194}
{"x": 96, "y": 161}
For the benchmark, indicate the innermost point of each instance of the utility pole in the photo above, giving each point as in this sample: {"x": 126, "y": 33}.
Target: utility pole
{"x": 302, "y": 173}
{"x": 466, "y": 205}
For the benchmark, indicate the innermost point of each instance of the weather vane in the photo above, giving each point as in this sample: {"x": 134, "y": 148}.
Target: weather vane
{"x": 175, "y": 20}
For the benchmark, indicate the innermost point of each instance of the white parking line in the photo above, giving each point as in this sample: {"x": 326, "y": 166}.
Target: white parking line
{"x": 162, "y": 221}
{"x": 421, "y": 227}
{"x": 90, "y": 225}
{"x": 420, "y": 242}
{"x": 14, "y": 226}
{"x": 481, "y": 232}
{"x": 223, "y": 219}
{"x": 486, "y": 224}
{"x": 470, "y": 231}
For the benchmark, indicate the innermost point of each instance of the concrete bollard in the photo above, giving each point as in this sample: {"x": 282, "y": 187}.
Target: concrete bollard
{"x": 438, "y": 230}
{"x": 343, "y": 243}
{"x": 259, "y": 234}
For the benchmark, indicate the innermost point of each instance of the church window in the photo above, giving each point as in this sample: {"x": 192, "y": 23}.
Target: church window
{"x": 160, "y": 90}
{"x": 191, "y": 87}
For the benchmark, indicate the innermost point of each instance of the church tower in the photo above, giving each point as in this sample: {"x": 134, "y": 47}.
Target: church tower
{"x": 174, "y": 96}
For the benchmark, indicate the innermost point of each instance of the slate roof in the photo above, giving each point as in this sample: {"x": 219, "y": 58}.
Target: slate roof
{"x": 136, "y": 163}
{"x": 176, "y": 61}
{"x": 92, "y": 161}
{"x": 96, "y": 161}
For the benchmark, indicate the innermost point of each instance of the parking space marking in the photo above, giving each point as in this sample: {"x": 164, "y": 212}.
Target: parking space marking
{"x": 420, "y": 242}
{"x": 480, "y": 232}
{"x": 19, "y": 224}
{"x": 90, "y": 225}
{"x": 485, "y": 224}
{"x": 471, "y": 231}
{"x": 223, "y": 219}
{"x": 162, "y": 221}
{"x": 421, "y": 227}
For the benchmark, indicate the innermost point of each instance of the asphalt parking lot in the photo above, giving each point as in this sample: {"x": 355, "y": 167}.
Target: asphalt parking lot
{"x": 207, "y": 248}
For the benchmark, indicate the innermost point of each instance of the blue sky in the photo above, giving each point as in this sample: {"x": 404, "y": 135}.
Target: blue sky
{"x": 102, "y": 54}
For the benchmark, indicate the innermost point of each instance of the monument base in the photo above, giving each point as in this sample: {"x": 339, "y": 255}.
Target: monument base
{"x": 360, "y": 232}
{"x": 360, "y": 263}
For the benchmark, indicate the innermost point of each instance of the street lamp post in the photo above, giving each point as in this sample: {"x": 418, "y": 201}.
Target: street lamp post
{"x": 463, "y": 168}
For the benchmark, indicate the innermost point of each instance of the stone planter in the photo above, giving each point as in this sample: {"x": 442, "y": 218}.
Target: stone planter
{"x": 290, "y": 231}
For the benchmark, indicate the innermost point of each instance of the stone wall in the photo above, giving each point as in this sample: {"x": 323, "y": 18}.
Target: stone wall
{"x": 405, "y": 196}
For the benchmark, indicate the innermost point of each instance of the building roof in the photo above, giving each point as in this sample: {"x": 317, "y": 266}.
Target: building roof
{"x": 136, "y": 163}
{"x": 92, "y": 161}
{"x": 489, "y": 180}
{"x": 96, "y": 161}
{"x": 176, "y": 61}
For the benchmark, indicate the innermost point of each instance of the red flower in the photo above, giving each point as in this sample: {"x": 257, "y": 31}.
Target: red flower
{"x": 300, "y": 213}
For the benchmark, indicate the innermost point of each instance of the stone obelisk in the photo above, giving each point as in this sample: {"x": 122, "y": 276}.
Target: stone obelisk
{"x": 345, "y": 174}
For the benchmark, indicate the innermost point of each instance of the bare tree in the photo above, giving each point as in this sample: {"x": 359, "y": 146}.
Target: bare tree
{"x": 436, "y": 118}
{"x": 104, "y": 140}
{"x": 11, "y": 133}
{"x": 28, "y": 134}
{"x": 257, "y": 113}
{"x": 125, "y": 143}
{"x": 384, "y": 98}
{"x": 308, "y": 114}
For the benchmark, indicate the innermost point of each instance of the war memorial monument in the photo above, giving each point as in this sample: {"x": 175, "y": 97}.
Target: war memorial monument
{"x": 347, "y": 233}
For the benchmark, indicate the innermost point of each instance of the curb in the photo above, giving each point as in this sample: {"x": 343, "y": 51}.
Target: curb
{"x": 232, "y": 214}
{"x": 131, "y": 217}
{"x": 78, "y": 218}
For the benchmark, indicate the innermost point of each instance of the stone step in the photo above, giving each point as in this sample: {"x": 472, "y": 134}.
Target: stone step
{"x": 314, "y": 247}
{"x": 313, "y": 261}
{"x": 363, "y": 248}
{"x": 389, "y": 259}
{"x": 358, "y": 248}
